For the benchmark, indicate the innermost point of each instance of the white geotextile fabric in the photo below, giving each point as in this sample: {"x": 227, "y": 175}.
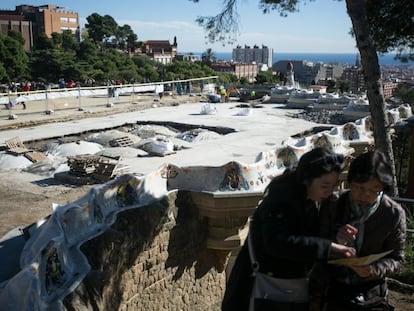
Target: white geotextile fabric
{"x": 48, "y": 167}
{"x": 147, "y": 131}
{"x": 10, "y": 161}
{"x": 74, "y": 148}
{"x": 104, "y": 138}
{"x": 158, "y": 145}
{"x": 122, "y": 152}
{"x": 197, "y": 135}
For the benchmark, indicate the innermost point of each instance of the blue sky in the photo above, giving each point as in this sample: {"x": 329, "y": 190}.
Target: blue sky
{"x": 321, "y": 26}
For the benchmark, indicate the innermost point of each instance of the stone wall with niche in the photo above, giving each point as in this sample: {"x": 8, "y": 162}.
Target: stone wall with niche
{"x": 153, "y": 258}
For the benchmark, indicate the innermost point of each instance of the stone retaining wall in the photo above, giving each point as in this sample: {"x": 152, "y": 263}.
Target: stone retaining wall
{"x": 153, "y": 258}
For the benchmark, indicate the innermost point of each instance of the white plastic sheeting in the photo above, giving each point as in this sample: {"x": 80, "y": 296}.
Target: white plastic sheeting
{"x": 74, "y": 148}
{"x": 9, "y": 161}
{"x": 83, "y": 92}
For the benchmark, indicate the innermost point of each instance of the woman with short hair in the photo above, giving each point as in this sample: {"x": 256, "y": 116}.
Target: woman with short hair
{"x": 372, "y": 223}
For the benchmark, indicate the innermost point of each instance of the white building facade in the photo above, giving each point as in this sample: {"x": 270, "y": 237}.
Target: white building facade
{"x": 259, "y": 55}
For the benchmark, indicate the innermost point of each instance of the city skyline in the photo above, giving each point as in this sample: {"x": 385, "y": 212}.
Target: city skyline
{"x": 319, "y": 27}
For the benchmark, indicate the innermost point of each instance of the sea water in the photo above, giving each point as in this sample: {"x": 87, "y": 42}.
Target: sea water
{"x": 326, "y": 58}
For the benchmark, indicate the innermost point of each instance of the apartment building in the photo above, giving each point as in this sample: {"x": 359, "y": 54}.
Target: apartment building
{"x": 31, "y": 21}
{"x": 258, "y": 55}
{"x": 11, "y": 20}
{"x": 307, "y": 73}
{"x": 248, "y": 71}
{"x": 388, "y": 88}
{"x": 355, "y": 75}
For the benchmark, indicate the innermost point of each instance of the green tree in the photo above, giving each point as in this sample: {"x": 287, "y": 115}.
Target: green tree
{"x": 43, "y": 42}
{"x": 331, "y": 86}
{"x": 3, "y": 74}
{"x": 14, "y": 57}
{"x": 16, "y": 36}
{"x": 126, "y": 39}
{"x": 392, "y": 26}
{"x": 101, "y": 28}
{"x": 224, "y": 25}
{"x": 244, "y": 80}
{"x": 56, "y": 39}
{"x": 357, "y": 11}
{"x": 64, "y": 40}
{"x": 227, "y": 78}
{"x": 267, "y": 76}
{"x": 52, "y": 64}
{"x": 188, "y": 70}
{"x": 343, "y": 85}
{"x": 68, "y": 41}
{"x": 87, "y": 51}
{"x": 405, "y": 93}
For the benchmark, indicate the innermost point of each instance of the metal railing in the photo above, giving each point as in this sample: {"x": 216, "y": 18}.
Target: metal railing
{"x": 50, "y": 100}
{"x": 408, "y": 205}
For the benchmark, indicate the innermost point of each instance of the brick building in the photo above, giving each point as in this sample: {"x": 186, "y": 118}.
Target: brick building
{"x": 31, "y": 21}
{"x": 388, "y": 88}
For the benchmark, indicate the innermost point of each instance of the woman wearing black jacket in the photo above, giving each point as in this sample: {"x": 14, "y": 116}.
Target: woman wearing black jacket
{"x": 285, "y": 228}
{"x": 371, "y": 222}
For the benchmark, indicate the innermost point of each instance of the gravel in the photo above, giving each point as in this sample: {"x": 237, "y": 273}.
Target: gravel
{"x": 334, "y": 117}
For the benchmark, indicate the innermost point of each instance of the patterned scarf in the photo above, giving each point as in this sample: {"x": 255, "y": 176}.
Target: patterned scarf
{"x": 359, "y": 214}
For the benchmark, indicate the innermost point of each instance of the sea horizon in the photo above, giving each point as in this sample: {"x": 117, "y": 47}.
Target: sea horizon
{"x": 326, "y": 58}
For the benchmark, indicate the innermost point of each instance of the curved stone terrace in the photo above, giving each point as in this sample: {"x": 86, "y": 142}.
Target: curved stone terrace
{"x": 238, "y": 165}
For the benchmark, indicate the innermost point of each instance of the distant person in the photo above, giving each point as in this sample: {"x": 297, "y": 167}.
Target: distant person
{"x": 26, "y": 88}
{"x": 201, "y": 86}
{"x": 372, "y": 223}
{"x": 285, "y": 228}
{"x": 179, "y": 88}
{"x": 222, "y": 92}
{"x": 62, "y": 83}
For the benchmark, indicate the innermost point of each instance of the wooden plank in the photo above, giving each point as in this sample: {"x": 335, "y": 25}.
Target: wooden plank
{"x": 35, "y": 156}
{"x": 16, "y": 146}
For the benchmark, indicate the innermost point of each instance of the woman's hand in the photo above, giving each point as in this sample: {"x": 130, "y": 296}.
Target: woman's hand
{"x": 346, "y": 234}
{"x": 362, "y": 271}
{"x": 342, "y": 251}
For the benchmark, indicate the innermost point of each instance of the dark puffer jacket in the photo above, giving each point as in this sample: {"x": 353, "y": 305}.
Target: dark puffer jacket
{"x": 285, "y": 229}
{"x": 384, "y": 230}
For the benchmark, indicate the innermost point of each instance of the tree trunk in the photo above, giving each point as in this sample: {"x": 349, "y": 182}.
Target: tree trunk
{"x": 372, "y": 76}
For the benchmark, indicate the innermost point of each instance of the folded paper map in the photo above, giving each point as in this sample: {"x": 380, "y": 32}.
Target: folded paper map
{"x": 359, "y": 261}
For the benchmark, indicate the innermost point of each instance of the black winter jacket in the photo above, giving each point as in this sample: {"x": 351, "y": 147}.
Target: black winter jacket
{"x": 384, "y": 230}
{"x": 285, "y": 230}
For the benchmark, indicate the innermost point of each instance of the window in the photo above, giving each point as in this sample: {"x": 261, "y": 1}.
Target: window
{"x": 73, "y": 20}
{"x": 63, "y": 19}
